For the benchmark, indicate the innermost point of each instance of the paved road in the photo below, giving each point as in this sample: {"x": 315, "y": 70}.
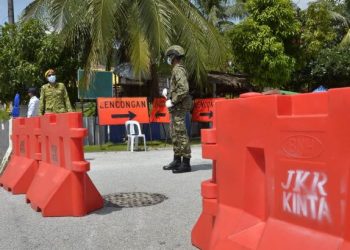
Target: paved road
{"x": 163, "y": 226}
{"x": 4, "y": 138}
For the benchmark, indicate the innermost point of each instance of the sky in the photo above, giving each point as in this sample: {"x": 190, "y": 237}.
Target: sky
{"x": 19, "y": 7}
{"x": 21, "y": 4}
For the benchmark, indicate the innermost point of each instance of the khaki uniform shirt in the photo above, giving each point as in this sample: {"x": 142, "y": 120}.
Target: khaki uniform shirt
{"x": 54, "y": 99}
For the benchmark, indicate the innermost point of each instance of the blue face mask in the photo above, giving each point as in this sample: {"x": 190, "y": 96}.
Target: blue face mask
{"x": 52, "y": 79}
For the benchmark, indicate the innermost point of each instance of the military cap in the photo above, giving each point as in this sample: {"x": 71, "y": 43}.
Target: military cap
{"x": 175, "y": 50}
{"x": 49, "y": 72}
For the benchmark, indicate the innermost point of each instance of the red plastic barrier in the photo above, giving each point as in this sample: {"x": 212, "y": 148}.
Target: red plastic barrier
{"x": 61, "y": 186}
{"x": 23, "y": 165}
{"x": 281, "y": 175}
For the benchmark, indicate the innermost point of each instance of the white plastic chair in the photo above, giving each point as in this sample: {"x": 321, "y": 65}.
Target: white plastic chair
{"x": 133, "y": 130}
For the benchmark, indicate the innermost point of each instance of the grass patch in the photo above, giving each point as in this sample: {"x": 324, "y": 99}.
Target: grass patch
{"x": 123, "y": 146}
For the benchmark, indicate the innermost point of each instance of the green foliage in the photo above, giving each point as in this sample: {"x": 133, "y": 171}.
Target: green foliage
{"x": 18, "y": 49}
{"x": 332, "y": 67}
{"x": 142, "y": 30}
{"x": 260, "y": 54}
{"x": 4, "y": 116}
{"x": 318, "y": 31}
{"x": 278, "y": 15}
{"x": 221, "y": 13}
{"x": 26, "y": 52}
{"x": 260, "y": 42}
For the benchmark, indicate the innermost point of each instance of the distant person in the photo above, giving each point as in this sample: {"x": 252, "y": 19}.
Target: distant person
{"x": 33, "y": 106}
{"x": 15, "y": 107}
{"x": 179, "y": 104}
{"x": 54, "y": 97}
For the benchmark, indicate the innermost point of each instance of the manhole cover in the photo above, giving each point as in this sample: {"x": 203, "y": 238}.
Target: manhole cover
{"x": 135, "y": 199}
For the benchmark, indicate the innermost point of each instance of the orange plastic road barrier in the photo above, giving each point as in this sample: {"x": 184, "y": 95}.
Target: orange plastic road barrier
{"x": 281, "y": 174}
{"x": 160, "y": 113}
{"x": 23, "y": 165}
{"x": 61, "y": 186}
{"x": 203, "y": 109}
{"x": 116, "y": 111}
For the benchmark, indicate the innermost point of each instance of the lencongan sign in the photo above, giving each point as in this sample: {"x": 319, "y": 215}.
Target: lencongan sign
{"x": 116, "y": 111}
{"x": 160, "y": 113}
{"x": 203, "y": 109}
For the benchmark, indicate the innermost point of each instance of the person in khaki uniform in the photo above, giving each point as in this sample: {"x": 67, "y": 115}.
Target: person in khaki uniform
{"x": 53, "y": 96}
{"x": 179, "y": 103}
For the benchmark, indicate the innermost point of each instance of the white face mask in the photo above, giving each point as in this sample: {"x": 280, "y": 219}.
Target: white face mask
{"x": 52, "y": 79}
{"x": 169, "y": 60}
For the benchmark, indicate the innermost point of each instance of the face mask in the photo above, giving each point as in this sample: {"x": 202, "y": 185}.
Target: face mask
{"x": 52, "y": 79}
{"x": 169, "y": 60}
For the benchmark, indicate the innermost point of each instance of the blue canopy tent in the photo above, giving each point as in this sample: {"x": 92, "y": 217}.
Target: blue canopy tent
{"x": 320, "y": 89}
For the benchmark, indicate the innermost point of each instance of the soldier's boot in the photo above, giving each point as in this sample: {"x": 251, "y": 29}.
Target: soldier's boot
{"x": 174, "y": 164}
{"x": 184, "y": 167}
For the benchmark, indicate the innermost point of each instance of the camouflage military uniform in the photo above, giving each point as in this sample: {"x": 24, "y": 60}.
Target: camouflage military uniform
{"x": 179, "y": 95}
{"x": 54, "y": 99}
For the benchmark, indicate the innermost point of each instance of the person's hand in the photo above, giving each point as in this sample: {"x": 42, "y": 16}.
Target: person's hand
{"x": 169, "y": 104}
{"x": 165, "y": 92}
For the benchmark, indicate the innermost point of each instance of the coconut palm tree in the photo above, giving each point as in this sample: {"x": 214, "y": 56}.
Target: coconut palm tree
{"x": 340, "y": 13}
{"x": 143, "y": 29}
{"x": 10, "y": 12}
{"x": 344, "y": 13}
{"x": 222, "y": 13}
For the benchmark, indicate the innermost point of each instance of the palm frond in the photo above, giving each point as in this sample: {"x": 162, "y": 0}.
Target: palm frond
{"x": 191, "y": 26}
{"x": 100, "y": 16}
{"x": 35, "y": 9}
{"x": 156, "y": 24}
{"x": 60, "y": 13}
{"x": 336, "y": 16}
{"x": 346, "y": 40}
{"x": 140, "y": 56}
{"x": 38, "y": 9}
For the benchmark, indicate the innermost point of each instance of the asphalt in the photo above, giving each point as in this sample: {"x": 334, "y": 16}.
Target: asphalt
{"x": 4, "y": 138}
{"x": 166, "y": 225}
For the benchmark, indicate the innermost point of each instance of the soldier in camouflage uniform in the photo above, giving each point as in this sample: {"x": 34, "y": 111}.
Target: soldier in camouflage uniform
{"x": 54, "y": 97}
{"x": 179, "y": 103}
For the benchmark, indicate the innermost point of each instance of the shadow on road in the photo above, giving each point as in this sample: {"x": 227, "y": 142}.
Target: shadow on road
{"x": 107, "y": 210}
{"x": 201, "y": 167}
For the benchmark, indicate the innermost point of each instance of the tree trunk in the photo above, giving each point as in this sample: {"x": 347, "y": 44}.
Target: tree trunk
{"x": 154, "y": 83}
{"x": 11, "y": 14}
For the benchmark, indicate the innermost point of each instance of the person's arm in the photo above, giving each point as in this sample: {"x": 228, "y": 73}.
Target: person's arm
{"x": 181, "y": 84}
{"x": 66, "y": 101}
{"x": 42, "y": 101}
{"x": 31, "y": 107}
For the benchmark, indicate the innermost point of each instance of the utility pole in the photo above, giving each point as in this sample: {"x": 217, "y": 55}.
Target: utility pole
{"x": 10, "y": 12}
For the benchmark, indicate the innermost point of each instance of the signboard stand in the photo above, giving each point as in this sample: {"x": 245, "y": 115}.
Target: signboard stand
{"x": 150, "y": 131}
{"x": 160, "y": 114}
{"x": 165, "y": 133}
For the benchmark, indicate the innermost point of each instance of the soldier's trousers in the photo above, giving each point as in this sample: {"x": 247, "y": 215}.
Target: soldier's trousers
{"x": 178, "y": 133}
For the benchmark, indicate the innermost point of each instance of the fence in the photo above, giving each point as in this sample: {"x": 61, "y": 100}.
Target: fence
{"x": 101, "y": 134}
